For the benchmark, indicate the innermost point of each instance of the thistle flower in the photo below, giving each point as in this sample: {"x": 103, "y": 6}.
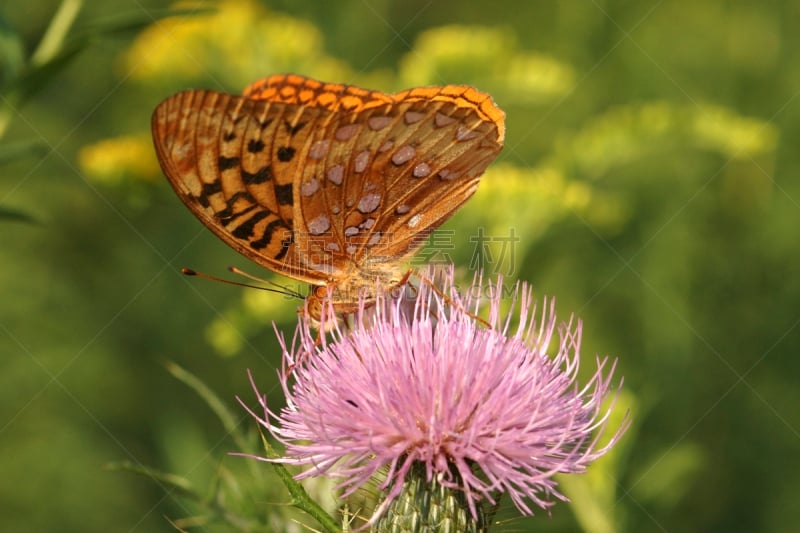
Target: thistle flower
{"x": 424, "y": 388}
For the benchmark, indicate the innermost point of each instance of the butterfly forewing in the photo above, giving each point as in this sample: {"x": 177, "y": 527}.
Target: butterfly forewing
{"x": 326, "y": 183}
{"x": 229, "y": 160}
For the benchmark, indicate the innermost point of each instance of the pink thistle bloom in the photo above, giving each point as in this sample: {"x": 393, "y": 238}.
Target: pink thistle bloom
{"x": 419, "y": 380}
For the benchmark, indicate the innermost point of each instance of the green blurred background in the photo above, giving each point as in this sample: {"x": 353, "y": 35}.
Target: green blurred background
{"x": 650, "y": 173}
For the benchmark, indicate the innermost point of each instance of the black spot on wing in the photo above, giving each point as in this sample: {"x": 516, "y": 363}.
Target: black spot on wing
{"x": 255, "y": 146}
{"x": 284, "y": 194}
{"x": 285, "y": 153}
{"x": 239, "y": 195}
{"x": 211, "y": 188}
{"x": 262, "y": 175}
{"x": 227, "y": 215}
{"x": 227, "y": 163}
{"x": 202, "y": 200}
{"x": 246, "y": 228}
{"x": 266, "y": 238}
{"x": 207, "y": 190}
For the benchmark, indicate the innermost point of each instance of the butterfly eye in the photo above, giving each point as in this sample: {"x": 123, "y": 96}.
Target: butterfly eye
{"x": 320, "y": 292}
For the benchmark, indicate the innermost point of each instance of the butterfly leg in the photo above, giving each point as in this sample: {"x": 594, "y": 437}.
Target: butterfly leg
{"x": 446, "y": 298}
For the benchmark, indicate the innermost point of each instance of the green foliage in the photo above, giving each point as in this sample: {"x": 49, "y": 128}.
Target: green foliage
{"x": 234, "y": 492}
{"x": 649, "y": 175}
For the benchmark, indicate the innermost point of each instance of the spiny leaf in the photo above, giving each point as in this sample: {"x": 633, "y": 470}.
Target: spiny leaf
{"x": 300, "y": 497}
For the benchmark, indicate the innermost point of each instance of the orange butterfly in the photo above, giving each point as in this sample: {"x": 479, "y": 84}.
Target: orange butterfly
{"x": 329, "y": 184}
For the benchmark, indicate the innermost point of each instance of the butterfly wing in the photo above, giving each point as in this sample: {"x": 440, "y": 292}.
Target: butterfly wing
{"x": 383, "y": 171}
{"x": 231, "y": 161}
{"x": 326, "y": 183}
{"x": 440, "y": 148}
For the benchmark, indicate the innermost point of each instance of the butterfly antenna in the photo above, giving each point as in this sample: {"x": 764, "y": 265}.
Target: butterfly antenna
{"x": 287, "y": 289}
{"x": 190, "y": 272}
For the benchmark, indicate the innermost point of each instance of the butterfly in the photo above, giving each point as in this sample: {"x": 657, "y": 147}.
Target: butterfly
{"x": 329, "y": 184}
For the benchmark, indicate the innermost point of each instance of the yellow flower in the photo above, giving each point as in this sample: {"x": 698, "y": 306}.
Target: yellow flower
{"x": 110, "y": 160}
{"x": 232, "y": 45}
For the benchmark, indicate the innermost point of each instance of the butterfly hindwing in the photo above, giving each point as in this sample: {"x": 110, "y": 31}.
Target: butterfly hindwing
{"x": 378, "y": 181}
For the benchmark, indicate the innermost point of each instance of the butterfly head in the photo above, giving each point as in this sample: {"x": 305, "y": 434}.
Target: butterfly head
{"x": 327, "y": 305}
{"x": 314, "y": 309}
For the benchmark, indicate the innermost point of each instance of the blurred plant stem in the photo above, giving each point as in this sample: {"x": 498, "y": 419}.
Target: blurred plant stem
{"x": 56, "y": 33}
{"x": 50, "y": 46}
{"x": 299, "y": 496}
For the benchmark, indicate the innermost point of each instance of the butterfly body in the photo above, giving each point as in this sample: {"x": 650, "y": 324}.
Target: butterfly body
{"x": 328, "y": 184}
